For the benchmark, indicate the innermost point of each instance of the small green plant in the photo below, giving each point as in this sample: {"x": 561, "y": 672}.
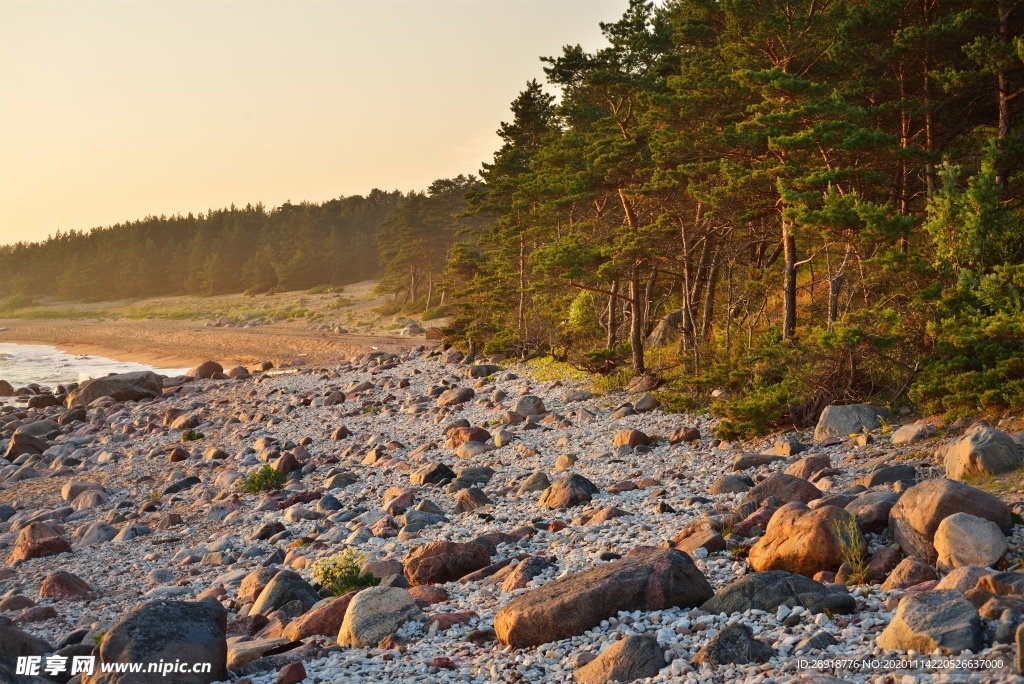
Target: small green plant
{"x": 339, "y": 573}
{"x": 1016, "y": 518}
{"x": 262, "y": 480}
{"x": 191, "y": 435}
{"x": 740, "y": 551}
{"x": 98, "y": 637}
{"x": 154, "y": 495}
{"x": 851, "y": 549}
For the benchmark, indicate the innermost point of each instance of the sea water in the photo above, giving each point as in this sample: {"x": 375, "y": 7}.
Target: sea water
{"x": 21, "y": 364}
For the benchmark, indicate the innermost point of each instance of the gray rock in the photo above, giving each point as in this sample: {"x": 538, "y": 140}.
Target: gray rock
{"x": 769, "y": 590}
{"x": 632, "y": 658}
{"x": 980, "y": 452}
{"x": 929, "y": 620}
{"x": 912, "y": 433}
{"x": 120, "y": 387}
{"x": 529, "y": 405}
{"x": 871, "y": 509}
{"x": 886, "y": 475}
{"x": 374, "y": 613}
{"x": 733, "y": 645}
{"x": 166, "y": 631}
{"x": 842, "y": 421}
{"x": 286, "y": 586}
{"x": 536, "y": 482}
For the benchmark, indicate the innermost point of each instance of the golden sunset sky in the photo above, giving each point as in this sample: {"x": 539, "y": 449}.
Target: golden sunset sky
{"x": 111, "y": 111}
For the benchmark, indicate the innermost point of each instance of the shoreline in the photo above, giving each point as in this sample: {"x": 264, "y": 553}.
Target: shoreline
{"x": 180, "y": 344}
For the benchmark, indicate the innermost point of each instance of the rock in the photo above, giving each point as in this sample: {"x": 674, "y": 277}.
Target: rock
{"x": 632, "y": 658}
{"x": 519, "y": 577}
{"x": 748, "y": 461}
{"x": 16, "y": 643}
{"x": 166, "y": 631}
{"x": 1002, "y": 583}
{"x": 929, "y": 620}
{"x": 37, "y": 541}
{"x": 963, "y": 539}
{"x": 6, "y": 389}
{"x": 768, "y": 590}
{"x": 646, "y": 403}
{"x": 916, "y": 516}
{"x": 460, "y": 435}
{"x": 536, "y": 482}
{"x": 482, "y": 370}
{"x": 632, "y": 438}
{"x": 980, "y": 452}
{"x": 783, "y": 488}
{"x": 63, "y": 586}
{"x": 646, "y": 579}
{"x": 325, "y": 618}
{"x": 733, "y": 645}
{"x": 684, "y": 434}
{"x": 440, "y": 562}
{"x": 842, "y": 421}
{"x": 286, "y": 586}
{"x": 731, "y": 484}
{"x": 97, "y": 533}
{"x": 912, "y": 433}
{"x": 529, "y": 405}
{"x": 871, "y": 510}
{"x": 909, "y": 572}
{"x": 22, "y": 444}
{"x": 964, "y": 578}
{"x": 205, "y": 370}
{"x": 120, "y": 387}
{"x": 374, "y": 613}
{"x": 435, "y": 473}
{"x": 458, "y": 395}
{"x": 568, "y": 491}
{"x": 470, "y": 499}
{"x": 292, "y": 673}
{"x": 805, "y": 467}
{"x": 709, "y": 540}
{"x": 801, "y": 540}
{"x": 886, "y": 475}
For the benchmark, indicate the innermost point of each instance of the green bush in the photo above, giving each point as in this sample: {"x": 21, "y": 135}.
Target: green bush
{"x": 339, "y": 573}
{"x": 437, "y": 312}
{"x": 262, "y": 480}
{"x": 191, "y": 435}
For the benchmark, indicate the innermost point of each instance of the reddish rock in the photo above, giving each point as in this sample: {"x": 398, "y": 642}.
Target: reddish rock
{"x": 519, "y": 577}
{"x": 286, "y": 463}
{"x": 633, "y": 438}
{"x": 35, "y": 614}
{"x": 205, "y": 370}
{"x": 909, "y": 572}
{"x": 568, "y": 491}
{"x": 883, "y": 562}
{"x": 440, "y": 562}
{"x": 808, "y": 466}
{"x": 624, "y": 486}
{"x": 801, "y": 540}
{"x": 758, "y": 518}
{"x": 247, "y": 626}
{"x": 646, "y": 579}
{"x": 460, "y": 435}
{"x": 385, "y": 528}
{"x": 16, "y": 602}
{"x": 63, "y": 586}
{"x": 49, "y": 546}
{"x": 254, "y": 583}
{"x": 341, "y": 433}
{"x": 325, "y": 620}
{"x": 428, "y": 596}
{"x": 398, "y": 504}
{"x": 168, "y": 521}
{"x": 446, "y": 621}
{"x": 292, "y": 673}
{"x": 684, "y": 434}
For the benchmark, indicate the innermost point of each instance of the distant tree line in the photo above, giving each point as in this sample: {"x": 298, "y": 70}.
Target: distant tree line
{"x": 294, "y": 246}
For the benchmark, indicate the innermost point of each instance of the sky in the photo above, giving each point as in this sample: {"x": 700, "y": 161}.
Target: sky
{"x": 113, "y": 111}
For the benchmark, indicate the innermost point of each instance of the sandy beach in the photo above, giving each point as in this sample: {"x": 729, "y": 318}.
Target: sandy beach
{"x": 187, "y": 343}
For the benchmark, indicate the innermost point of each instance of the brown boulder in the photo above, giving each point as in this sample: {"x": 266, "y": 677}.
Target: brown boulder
{"x": 909, "y": 572}
{"x": 915, "y": 517}
{"x": 646, "y": 579}
{"x": 684, "y": 434}
{"x": 568, "y": 491}
{"x": 63, "y": 586}
{"x": 205, "y": 370}
{"x": 808, "y": 466}
{"x": 440, "y": 562}
{"x": 783, "y": 488}
{"x": 801, "y": 540}
{"x": 633, "y": 438}
{"x": 325, "y": 619}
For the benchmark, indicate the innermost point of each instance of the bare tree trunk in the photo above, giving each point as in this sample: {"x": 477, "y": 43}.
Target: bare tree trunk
{"x": 835, "y": 286}
{"x": 521, "y": 320}
{"x": 636, "y": 337}
{"x": 789, "y": 282}
{"x": 430, "y": 291}
{"x": 709, "y": 300}
{"x": 612, "y": 323}
{"x": 1003, "y": 131}
{"x": 648, "y": 297}
{"x": 412, "y": 284}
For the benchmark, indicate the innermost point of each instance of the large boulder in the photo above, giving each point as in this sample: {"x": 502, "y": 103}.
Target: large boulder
{"x": 325, "y": 618}
{"x": 916, "y": 516}
{"x": 205, "y": 370}
{"x": 871, "y": 509}
{"x": 979, "y": 452}
{"x": 285, "y": 587}
{"x": 632, "y": 658}
{"x": 568, "y": 491}
{"x": 166, "y": 631}
{"x": 907, "y": 573}
{"x": 768, "y": 590}
{"x": 440, "y": 562}
{"x": 15, "y": 642}
{"x": 930, "y": 620}
{"x": 645, "y": 579}
{"x": 802, "y": 540}
{"x": 375, "y": 613}
{"x": 120, "y": 387}
{"x": 842, "y": 421}
{"x": 963, "y": 539}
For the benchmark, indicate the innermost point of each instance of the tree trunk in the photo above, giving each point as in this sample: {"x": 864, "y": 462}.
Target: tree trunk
{"x": 412, "y": 284}
{"x": 1003, "y": 130}
{"x": 612, "y": 323}
{"x": 430, "y": 292}
{"x": 521, "y": 319}
{"x": 789, "y": 282}
{"x": 636, "y": 336}
{"x": 648, "y": 297}
{"x": 709, "y": 300}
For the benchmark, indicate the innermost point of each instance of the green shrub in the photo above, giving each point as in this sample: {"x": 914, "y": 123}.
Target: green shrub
{"x": 339, "y": 573}
{"x": 437, "y": 312}
{"x": 850, "y": 549}
{"x": 262, "y": 480}
{"x": 191, "y": 435}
